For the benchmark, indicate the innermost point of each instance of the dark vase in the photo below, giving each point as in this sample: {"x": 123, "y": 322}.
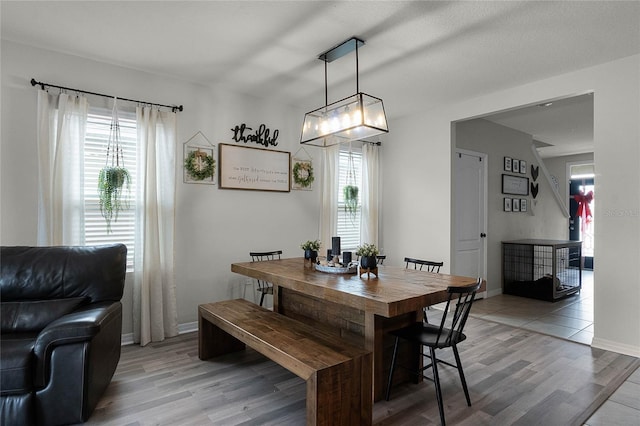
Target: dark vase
{"x": 311, "y": 254}
{"x": 368, "y": 262}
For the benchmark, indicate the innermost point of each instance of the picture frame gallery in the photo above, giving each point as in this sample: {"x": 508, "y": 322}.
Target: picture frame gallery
{"x": 513, "y": 184}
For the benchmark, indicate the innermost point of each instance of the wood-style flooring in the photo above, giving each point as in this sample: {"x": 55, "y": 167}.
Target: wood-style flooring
{"x": 515, "y": 377}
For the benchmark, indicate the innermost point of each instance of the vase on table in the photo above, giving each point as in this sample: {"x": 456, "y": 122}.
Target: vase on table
{"x": 368, "y": 262}
{"x": 311, "y": 255}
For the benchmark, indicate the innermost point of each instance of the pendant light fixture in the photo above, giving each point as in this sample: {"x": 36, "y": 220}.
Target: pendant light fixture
{"x": 353, "y": 118}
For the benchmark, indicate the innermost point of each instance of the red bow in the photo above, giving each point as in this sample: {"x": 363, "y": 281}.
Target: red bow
{"x": 583, "y": 205}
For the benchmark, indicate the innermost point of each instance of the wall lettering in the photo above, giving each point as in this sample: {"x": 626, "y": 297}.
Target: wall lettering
{"x": 262, "y": 136}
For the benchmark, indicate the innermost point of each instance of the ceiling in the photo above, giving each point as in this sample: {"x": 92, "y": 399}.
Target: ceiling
{"x": 418, "y": 54}
{"x": 561, "y": 127}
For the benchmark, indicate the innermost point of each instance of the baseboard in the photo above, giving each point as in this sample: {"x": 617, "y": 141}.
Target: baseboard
{"x": 494, "y": 292}
{"x": 620, "y": 348}
{"x": 127, "y": 339}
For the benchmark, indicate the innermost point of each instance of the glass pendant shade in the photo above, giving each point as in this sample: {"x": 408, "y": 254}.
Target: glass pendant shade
{"x": 357, "y": 117}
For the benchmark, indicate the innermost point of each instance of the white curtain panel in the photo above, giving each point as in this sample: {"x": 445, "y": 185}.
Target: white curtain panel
{"x": 369, "y": 196}
{"x": 154, "y": 301}
{"x": 62, "y": 121}
{"x": 330, "y": 177}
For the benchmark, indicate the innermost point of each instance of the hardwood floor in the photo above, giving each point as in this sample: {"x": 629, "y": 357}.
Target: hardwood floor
{"x": 515, "y": 376}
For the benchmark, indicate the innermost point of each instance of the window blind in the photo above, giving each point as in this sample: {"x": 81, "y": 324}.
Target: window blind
{"x": 95, "y": 151}
{"x": 348, "y": 225}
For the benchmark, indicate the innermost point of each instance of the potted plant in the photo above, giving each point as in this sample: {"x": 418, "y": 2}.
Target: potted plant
{"x": 350, "y": 193}
{"x": 368, "y": 253}
{"x": 310, "y": 249}
{"x": 114, "y": 180}
{"x": 350, "y": 190}
{"x": 114, "y": 185}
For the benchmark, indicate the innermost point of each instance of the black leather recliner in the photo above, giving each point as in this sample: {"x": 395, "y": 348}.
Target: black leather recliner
{"x": 61, "y": 330}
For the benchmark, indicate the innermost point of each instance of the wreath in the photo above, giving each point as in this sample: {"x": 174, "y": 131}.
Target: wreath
{"x": 199, "y": 165}
{"x": 303, "y": 174}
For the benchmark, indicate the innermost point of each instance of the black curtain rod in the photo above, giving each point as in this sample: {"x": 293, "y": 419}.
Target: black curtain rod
{"x": 42, "y": 85}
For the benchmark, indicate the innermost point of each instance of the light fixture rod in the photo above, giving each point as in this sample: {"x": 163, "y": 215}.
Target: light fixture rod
{"x": 357, "y": 71}
{"x": 326, "y": 87}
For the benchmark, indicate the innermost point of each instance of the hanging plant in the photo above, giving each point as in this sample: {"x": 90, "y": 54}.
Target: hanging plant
{"x": 303, "y": 174}
{"x": 200, "y": 165}
{"x": 114, "y": 180}
{"x": 350, "y": 193}
{"x": 351, "y": 190}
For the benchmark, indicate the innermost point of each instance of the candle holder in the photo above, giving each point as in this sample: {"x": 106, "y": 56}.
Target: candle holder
{"x": 335, "y": 246}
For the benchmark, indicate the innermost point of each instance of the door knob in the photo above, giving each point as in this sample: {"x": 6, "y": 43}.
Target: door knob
{"x": 483, "y": 235}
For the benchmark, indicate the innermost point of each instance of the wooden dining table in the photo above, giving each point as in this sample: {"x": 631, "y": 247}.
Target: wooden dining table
{"x": 362, "y": 309}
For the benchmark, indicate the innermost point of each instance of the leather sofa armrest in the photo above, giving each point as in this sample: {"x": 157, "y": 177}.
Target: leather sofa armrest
{"x": 78, "y": 326}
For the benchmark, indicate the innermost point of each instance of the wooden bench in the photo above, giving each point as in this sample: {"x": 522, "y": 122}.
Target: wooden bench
{"x": 338, "y": 374}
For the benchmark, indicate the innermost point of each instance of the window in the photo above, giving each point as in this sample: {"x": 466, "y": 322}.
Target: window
{"x": 95, "y": 148}
{"x": 348, "y": 224}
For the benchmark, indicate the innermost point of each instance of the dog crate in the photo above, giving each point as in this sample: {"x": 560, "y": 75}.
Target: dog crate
{"x": 541, "y": 269}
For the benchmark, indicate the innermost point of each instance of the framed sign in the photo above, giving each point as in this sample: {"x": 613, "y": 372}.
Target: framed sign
{"x": 507, "y": 204}
{"x": 507, "y": 164}
{"x": 258, "y": 169}
{"x": 523, "y": 167}
{"x": 515, "y": 185}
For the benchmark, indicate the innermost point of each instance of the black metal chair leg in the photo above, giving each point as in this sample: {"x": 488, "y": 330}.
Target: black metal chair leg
{"x": 262, "y": 298}
{"x": 393, "y": 365}
{"x": 436, "y": 380}
{"x": 462, "y": 379}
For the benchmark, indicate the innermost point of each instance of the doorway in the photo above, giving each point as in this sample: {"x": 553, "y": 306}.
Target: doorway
{"x": 582, "y": 208}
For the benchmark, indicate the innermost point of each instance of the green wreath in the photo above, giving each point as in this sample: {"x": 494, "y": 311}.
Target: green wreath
{"x": 303, "y": 174}
{"x": 199, "y": 170}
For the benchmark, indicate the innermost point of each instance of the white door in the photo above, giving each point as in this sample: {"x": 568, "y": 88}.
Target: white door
{"x": 470, "y": 213}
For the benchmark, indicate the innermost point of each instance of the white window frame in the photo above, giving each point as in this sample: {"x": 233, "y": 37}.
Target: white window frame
{"x": 96, "y": 138}
{"x": 348, "y": 230}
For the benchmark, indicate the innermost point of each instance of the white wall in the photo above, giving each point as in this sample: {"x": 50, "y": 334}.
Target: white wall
{"x": 417, "y": 184}
{"x": 543, "y": 218}
{"x": 213, "y": 227}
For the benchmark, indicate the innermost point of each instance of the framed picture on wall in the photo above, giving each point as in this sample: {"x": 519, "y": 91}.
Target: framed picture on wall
{"x": 523, "y": 167}
{"x": 515, "y": 185}
{"x": 199, "y": 160}
{"x": 249, "y": 168}
{"x": 515, "y": 205}
{"x": 507, "y": 164}
{"x": 523, "y": 204}
{"x": 507, "y": 204}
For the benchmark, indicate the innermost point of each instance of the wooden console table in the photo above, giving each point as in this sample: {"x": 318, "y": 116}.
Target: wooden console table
{"x": 360, "y": 309}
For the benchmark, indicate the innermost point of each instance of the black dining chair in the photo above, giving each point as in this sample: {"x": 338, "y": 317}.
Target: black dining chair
{"x": 264, "y": 287}
{"x": 428, "y": 265}
{"x": 446, "y": 335}
{"x": 381, "y": 258}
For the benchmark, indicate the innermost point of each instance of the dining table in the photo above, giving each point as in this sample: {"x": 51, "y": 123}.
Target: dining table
{"x": 361, "y": 308}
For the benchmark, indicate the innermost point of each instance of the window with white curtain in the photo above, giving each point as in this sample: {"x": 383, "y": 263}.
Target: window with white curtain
{"x": 348, "y": 225}
{"x": 95, "y": 148}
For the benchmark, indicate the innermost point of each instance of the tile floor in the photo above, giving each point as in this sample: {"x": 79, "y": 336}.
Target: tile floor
{"x": 570, "y": 319}
{"x": 622, "y": 408}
